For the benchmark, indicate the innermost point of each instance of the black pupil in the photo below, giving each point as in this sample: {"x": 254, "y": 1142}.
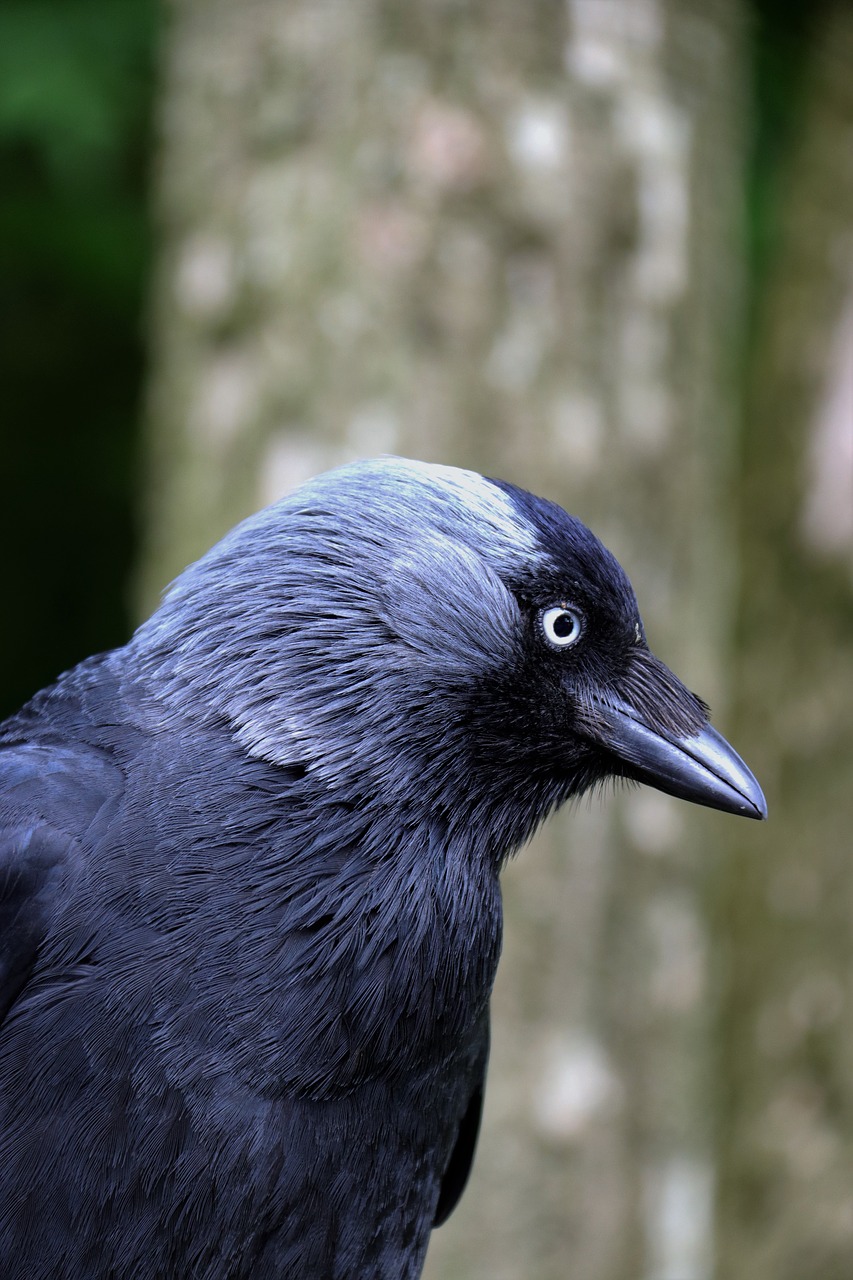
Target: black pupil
{"x": 564, "y": 625}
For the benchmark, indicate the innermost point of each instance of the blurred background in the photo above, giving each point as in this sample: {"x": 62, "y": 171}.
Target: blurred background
{"x": 603, "y": 248}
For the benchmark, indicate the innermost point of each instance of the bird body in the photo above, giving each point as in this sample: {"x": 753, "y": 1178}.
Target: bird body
{"x": 226, "y": 987}
{"x": 249, "y": 875}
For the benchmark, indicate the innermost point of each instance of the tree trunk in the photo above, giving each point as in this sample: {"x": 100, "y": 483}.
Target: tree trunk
{"x": 787, "y": 1148}
{"x": 499, "y": 235}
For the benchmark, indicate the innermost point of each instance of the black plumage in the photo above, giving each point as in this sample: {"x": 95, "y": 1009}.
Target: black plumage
{"x": 249, "y": 898}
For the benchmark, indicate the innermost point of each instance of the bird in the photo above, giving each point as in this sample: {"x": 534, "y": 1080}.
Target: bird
{"x": 250, "y": 908}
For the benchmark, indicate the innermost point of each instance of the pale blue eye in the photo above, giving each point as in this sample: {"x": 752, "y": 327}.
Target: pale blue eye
{"x": 563, "y": 626}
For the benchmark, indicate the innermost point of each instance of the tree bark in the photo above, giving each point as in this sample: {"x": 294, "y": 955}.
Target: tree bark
{"x": 500, "y": 235}
{"x": 786, "y": 1152}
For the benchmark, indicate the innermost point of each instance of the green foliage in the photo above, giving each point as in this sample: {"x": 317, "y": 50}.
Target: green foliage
{"x": 76, "y": 86}
{"x": 71, "y": 77}
{"x": 782, "y": 42}
{"x": 75, "y": 83}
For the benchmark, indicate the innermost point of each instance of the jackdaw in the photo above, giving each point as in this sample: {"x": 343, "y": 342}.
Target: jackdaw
{"x": 249, "y": 875}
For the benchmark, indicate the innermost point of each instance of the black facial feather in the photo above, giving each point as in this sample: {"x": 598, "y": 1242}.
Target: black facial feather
{"x": 250, "y": 911}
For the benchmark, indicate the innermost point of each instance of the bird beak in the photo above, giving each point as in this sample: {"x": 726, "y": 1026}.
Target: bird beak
{"x": 699, "y": 766}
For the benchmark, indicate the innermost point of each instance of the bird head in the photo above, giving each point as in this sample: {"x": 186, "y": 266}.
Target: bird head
{"x": 419, "y": 637}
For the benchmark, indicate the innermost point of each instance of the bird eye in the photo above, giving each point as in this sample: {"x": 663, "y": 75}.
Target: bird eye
{"x": 563, "y": 627}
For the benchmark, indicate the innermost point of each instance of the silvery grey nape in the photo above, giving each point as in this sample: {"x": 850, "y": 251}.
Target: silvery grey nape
{"x": 250, "y": 909}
